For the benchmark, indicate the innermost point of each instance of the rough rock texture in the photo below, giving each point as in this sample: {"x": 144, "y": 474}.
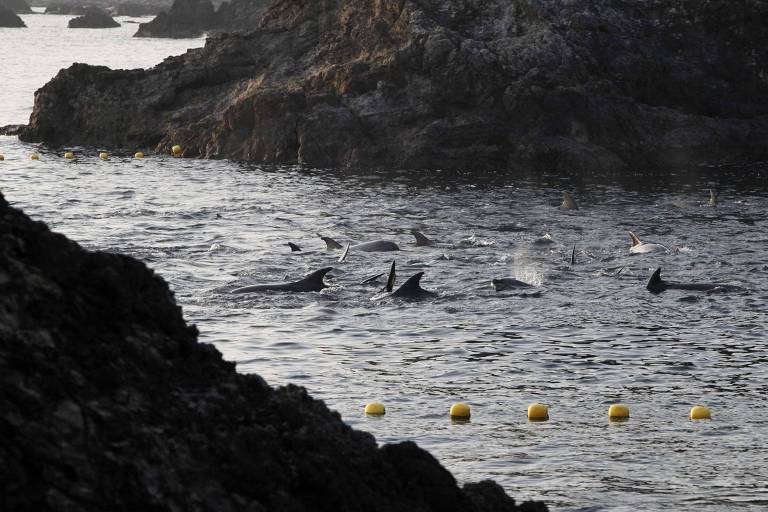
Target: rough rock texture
{"x": 93, "y": 19}
{"x": 501, "y": 84}
{"x": 193, "y": 18}
{"x": 10, "y": 19}
{"x": 17, "y": 6}
{"x": 108, "y": 402}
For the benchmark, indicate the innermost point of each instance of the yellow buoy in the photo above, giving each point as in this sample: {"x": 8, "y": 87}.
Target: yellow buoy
{"x": 34, "y": 156}
{"x": 375, "y": 408}
{"x": 538, "y": 412}
{"x": 104, "y": 155}
{"x": 69, "y": 155}
{"x": 618, "y": 412}
{"x": 460, "y": 411}
{"x": 138, "y": 154}
{"x": 700, "y": 412}
{"x": 176, "y": 150}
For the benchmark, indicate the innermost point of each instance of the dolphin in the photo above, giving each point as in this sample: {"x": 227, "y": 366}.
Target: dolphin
{"x": 508, "y": 283}
{"x": 310, "y": 283}
{"x": 639, "y": 247}
{"x": 421, "y": 240}
{"x": 412, "y": 288}
{"x": 569, "y": 203}
{"x": 294, "y": 247}
{"x": 712, "y": 198}
{"x": 657, "y": 285}
{"x": 374, "y": 246}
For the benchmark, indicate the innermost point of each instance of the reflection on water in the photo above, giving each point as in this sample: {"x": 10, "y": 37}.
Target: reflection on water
{"x": 589, "y": 334}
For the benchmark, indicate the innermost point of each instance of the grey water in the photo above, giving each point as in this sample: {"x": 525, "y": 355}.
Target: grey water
{"x": 587, "y": 335}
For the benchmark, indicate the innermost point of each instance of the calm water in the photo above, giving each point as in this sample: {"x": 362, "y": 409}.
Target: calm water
{"x": 588, "y": 335}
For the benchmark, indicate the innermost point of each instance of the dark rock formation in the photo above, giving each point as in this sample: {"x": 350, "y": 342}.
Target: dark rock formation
{"x": 17, "y": 6}
{"x": 501, "y": 84}
{"x": 93, "y": 19}
{"x": 187, "y": 18}
{"x": 193, "y": 18}
{"x": 137, "y": 8}
{"x": 108, "y": 402}
{"x": 10, "y": 19}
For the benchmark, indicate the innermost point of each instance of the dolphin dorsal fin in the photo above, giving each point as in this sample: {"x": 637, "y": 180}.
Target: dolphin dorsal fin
{"x": 412, "y": 286}
{"x": 569, "y": 203}
{"x": 573, "y": 255}
{"x": 314, "y": 280}
{"x": 421, "y": 240}
{"x": 294, "y": 247}
{"x": 712, "y": 198}
{"x": 634, "y": 238}
{"x": 656, "y": 277}
{"x": 391, "y": 279}
{"x": 330, "y": 243}
{"x": 344, "y": 254}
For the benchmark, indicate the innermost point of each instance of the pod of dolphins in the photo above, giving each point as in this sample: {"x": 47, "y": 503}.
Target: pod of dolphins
{"x": 412, "y": 289}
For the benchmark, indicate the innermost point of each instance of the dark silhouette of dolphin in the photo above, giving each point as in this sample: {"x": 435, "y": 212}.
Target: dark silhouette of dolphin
{"x": 412, "y": 288}
{"x": 310, "y": 283}
{"x": 657, "y": 285}
{"x": 421, "y": 240}
{"x": 294, "y": 247}
{"x": 508, "y": 283}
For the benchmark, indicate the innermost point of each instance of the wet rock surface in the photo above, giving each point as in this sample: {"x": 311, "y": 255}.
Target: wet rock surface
{"x": 10, "y": 19}
{"x": 93, "y": 19}
{"x": 108, "y": 402}
{"x": 467, "y": 84}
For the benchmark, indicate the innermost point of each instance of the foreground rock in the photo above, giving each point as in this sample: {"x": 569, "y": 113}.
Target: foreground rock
{"x": 108, "y": 402}
{"x": 9, "y": 19}
{"x": 93, "y": 19}
{"x": 467, "y": 84}
{"x": 193, "y": 18}
{"x": 17, "y": 6}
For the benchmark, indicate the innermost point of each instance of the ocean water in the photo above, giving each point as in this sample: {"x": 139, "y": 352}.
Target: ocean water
{"x": 585, "y": 336}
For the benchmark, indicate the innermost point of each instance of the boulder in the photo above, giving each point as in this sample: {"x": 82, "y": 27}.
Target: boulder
{"x": 93, "y": 19}
{"x": 109, "y": 402}
{"x": 193, "y": 18}
{"x": 10, "y": 19}
{"x": 187, "y": 18}
{"x": 452, "y": 84}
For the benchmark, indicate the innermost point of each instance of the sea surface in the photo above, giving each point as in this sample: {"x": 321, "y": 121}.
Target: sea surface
{"x": 588, "y": 334}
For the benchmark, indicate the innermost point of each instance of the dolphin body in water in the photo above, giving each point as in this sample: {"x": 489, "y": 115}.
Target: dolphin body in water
{"x": 569, "y": 203}
{"x": 657, "y": 285}
{"x": 509, "y": 283}
{"x": 639, "y": 247}
{"x": 310, "y": 283}
{"x": 374, "y": 246}
{"x": 411, "y": 289}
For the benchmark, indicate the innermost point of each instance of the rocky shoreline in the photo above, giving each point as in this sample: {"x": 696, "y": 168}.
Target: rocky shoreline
{"x": 453, "y": 84}
{"x": 193, "y": 18}
{"x": 108, "y": 402}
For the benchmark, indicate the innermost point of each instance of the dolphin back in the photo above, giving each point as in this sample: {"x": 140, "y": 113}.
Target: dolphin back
{"x": 412, "y": 288}
{"x": 655, "y": 284}
{"x": 421, "y": 240}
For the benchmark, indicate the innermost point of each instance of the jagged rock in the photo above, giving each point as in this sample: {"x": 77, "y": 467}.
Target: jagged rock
{"x": 108, "y": 402}
{"x": 93, "y": 19}
{"x": 10, "y": 19}
{"x": 187, "y": 18}
{"x": 193, "y": 18}
{"x": 17, "y": 6}
{"x": 459, "y": 84}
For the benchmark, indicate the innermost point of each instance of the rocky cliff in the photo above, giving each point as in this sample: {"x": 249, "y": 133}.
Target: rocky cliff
{"x": 108, "y": 402}
{"x": 10, "y": 19}
{"x": 193, "y": 18}
{"x": 17, "y": 6}
{"x": 501, "y": 84}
